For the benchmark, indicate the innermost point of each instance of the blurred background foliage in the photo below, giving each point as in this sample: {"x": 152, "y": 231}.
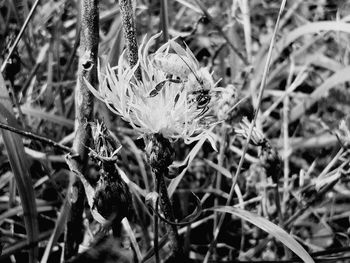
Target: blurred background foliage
{"x": 306, "y": 97}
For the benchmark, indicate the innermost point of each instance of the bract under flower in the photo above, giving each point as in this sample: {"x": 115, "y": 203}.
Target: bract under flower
{"x": 174, "y": 111}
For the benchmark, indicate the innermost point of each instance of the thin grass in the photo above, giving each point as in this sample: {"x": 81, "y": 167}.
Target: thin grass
{"x": 261, "y": 91}
{"x": 19, "y": 165}
{"x": 19, "y": 36}
{"x": 337, "y": 78}
{"x": 58, "y": 230}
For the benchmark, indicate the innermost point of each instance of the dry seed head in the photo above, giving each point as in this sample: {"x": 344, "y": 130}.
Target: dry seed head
{"x": 270, "y": 158}
{"x": 343, "y": 132}
{"x": 272, "y": 162}
{"x": 257, "y": 138}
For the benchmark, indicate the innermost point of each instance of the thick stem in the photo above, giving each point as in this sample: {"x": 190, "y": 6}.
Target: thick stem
{"x": 156, "y": 223}
{"x": 83, "y": 110}
{"x": 129, "y": 28}
{"x": 160, "y": 155}
{"x": 168, "y": 211}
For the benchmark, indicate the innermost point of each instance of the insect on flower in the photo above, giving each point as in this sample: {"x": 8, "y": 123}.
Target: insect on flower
{"x": 161, "y": 85}
{"x": 148, "y": 104}
{"x": 184, "y": 66}
{"x": 173, "y": 64}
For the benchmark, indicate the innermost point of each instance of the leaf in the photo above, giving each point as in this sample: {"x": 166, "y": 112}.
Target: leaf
{"x": 269, "y": 227}
{"x": 39, "y": 113}
{"x": 18, "y": 211}
{"x": 310, "y": 28}
{"x": 337, "y": 78}
{"x": 290, "y": 37}
{"x": 190, "y": 6}
{"x": 228, "y": 175}
{"x": 18, "y": 161}
{"x": 175, "y": 182}
{"x": 117, "y": 46}
{"x": 59, "y": 227}
{"x": 132, "y": 237}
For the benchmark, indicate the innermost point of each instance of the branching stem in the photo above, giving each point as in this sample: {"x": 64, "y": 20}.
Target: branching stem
{"x": 87, "y": 70}
{"x": 36, "y": 137}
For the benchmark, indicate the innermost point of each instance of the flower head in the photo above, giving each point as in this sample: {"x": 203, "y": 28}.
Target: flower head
{"x": 172, "y": 97}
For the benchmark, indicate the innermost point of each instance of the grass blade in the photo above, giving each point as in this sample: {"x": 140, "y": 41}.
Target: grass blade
{"x": 59, "y": 228}
{"x": 337, "y": 78}
{"x": 270, "y": 228}
{"x": 132, "y": 237}
{"x": 17, "y": 157}
{"x": 175, "y": 182}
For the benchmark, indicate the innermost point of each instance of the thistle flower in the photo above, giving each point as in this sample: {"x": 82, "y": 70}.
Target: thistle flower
{"x": 157, "y": 104}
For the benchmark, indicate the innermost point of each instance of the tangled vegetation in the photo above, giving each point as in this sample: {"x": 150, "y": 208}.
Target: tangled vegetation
{"x": 174, "y": 131}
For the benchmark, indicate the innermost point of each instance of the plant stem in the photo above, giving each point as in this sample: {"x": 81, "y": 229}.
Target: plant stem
{"x": 19, "y": 36}
{"x": 129, "y": 27}
{"x": 89, "y": 39}
{"x": 156, "y": 225}
{"x": 36, "y": 137}
{"x": 168, "y": 211}
{"x": 219, "y": 176}
{"x": 160, "y": 153}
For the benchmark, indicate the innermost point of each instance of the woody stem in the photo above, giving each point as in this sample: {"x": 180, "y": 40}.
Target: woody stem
{"x": 129, "y": 29}
{"x": 87, "y": 70}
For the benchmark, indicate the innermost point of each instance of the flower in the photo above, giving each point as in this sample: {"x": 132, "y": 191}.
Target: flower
{"x": 173, "y": 106}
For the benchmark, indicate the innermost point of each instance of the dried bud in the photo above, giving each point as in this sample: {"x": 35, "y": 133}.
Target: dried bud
{"x": 112, "y": 197}
{"x": 105, "y": 145}
{"x": 343, "y": 132}
{"x": 160, "y": 152}
{"x": 272, "y": 162}
{"x": 257, "y": 138}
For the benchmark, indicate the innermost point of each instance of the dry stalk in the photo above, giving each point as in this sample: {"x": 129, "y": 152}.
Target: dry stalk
{"x": 33, "y": 136}
{"x": 129, "y": 28}
{"x": 83, "y": 110}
